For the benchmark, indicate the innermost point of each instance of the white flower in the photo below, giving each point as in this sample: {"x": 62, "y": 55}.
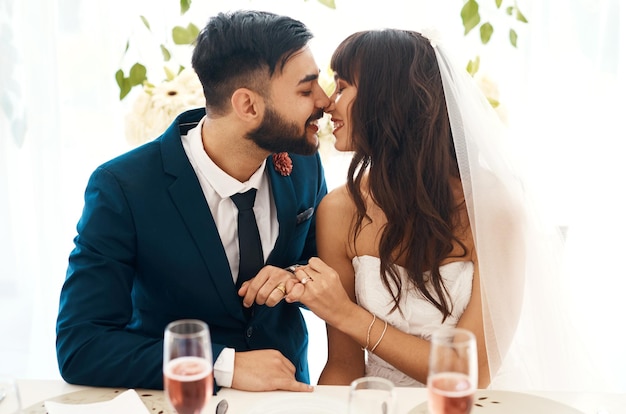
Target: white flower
{"x": 492, "y": 92}
{"x": 157, "y": 106}
{"x": 433, "y": 34}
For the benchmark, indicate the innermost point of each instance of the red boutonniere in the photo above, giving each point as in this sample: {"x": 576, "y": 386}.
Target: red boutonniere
{"x": 282, "y": 163}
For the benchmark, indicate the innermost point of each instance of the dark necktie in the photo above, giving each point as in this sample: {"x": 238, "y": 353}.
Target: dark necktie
{"x": 250, "y": 250}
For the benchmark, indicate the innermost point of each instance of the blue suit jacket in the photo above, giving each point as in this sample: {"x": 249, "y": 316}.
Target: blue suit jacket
{"x": 148, "y": 252}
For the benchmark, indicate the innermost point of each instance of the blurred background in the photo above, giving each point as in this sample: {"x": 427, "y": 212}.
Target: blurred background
{"x": 560, "y": 91}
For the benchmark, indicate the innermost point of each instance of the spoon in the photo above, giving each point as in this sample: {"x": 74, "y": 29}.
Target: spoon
{"x": 222, "y": 407}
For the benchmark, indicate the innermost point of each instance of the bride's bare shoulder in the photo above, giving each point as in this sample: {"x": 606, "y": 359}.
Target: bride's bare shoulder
{"x": 337, "y": 202}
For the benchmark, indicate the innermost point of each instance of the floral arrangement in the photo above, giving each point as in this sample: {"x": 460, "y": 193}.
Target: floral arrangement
{"x": 156, "y": 106}
{"x": 179, "y": 39}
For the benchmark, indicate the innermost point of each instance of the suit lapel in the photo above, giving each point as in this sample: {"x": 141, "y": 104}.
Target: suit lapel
{"x": 285, "y": 202}
{"x": 189, "y": 199}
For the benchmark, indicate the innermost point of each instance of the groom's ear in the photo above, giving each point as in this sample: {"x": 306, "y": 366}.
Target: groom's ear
{"x": 248, "y": 105}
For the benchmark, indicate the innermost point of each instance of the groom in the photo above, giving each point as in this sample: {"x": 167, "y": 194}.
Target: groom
{"x": 158, "y": 236}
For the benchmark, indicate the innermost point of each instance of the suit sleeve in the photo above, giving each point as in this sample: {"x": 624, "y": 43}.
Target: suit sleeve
{"x": 97, "y": 344}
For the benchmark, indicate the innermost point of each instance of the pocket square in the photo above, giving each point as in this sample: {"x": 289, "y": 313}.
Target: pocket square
{"x": 304, "y": 216}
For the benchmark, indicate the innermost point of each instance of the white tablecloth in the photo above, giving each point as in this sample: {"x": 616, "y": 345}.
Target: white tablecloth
{"x": 34, "y": 391}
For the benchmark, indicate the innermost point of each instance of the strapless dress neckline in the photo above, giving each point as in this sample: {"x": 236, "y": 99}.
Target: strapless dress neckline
{"x": 419, "y": 317}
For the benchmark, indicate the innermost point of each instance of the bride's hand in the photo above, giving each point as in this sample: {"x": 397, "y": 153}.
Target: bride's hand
{"x": 319, "y": 287}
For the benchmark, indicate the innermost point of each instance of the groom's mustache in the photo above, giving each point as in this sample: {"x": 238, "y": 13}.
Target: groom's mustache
{"x": 315, "y": 116}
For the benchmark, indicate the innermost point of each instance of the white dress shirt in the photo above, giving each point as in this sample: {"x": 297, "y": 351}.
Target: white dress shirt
{"x": 217, "y": 187}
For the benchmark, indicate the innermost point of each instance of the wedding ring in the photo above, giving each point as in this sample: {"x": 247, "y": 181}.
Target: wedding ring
{"x": 306, "y": 279}
{"x": 292, "y": 268}
{"x": 281, "y": 287}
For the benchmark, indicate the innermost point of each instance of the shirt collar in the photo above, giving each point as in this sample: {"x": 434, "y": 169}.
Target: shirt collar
{"x": 223, "y": 184}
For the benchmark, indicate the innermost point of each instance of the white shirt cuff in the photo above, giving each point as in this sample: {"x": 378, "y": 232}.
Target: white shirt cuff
{"x": 224, "y": 368}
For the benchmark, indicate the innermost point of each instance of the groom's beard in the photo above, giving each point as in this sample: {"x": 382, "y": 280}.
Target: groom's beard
{"x": 276, "y": 134}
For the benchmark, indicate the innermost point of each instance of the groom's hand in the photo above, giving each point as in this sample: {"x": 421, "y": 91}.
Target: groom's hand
{"x": 265, "y": 370}
{"x": 268, "y": 287}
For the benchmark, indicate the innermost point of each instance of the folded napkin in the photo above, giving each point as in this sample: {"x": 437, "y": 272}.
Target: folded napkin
{"x": 127, "y": 402}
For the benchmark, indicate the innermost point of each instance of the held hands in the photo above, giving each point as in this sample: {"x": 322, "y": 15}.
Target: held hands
{"x": 316, "y": 285}
{"x": 319, "y": 287}
{"x": 268, "y": 287}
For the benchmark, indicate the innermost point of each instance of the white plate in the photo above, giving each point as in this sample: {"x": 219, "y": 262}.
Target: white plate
{"x": 508, "y": 402}
{"x": 300, "y": 404}
{"x": 153, "y": 400}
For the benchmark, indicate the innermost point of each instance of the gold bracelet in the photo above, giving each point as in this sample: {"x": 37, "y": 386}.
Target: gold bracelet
{"x": 369, "y": 331}
{"x": 381, "y": 337}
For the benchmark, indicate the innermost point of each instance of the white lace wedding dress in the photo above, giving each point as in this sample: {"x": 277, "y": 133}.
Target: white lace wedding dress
{"x": 419, "y": 318}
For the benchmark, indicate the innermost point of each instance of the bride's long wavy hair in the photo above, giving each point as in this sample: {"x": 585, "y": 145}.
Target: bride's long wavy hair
{"x": 402, "y": 140}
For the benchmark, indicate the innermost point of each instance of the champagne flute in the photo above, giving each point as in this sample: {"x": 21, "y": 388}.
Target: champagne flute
{"x": 452, "y": 371}
{"x": 188, "y": 366}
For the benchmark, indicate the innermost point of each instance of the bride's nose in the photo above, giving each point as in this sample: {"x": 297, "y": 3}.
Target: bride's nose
{"x": 331, "y": 105}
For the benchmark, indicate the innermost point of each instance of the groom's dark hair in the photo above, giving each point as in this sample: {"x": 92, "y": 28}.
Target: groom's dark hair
{"x": 244, "y": 49}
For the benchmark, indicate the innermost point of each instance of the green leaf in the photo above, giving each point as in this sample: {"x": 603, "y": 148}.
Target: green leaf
{"x": 119, "y": 77}
{"x": 493, "y": 102}
{"x": 180, "y": 35}
{"x": 124, "y": 90}
{"x": 520, "y": 17}
{"x": 470, "y": 16}
{"x": 473, "y": 66}
{"x": 123, "y": 83}
{"x": 486, "y": 30}
{"x": 513, "y": 37}
{"x": 167, "y": 56}
{"x": 184, "y": 6}
{"x": 185, "y": 36}
{"x": 194, "y": 31}
{"x": 328, "y": 3}
{"x": 145, "y": 22}
{"x": 137, "y": 74}
{"x": 169, "y": 74}
{"x": 498, "y": 3}
{"x": 509, "y": 10}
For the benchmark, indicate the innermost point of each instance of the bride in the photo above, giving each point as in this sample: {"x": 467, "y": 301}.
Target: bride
{"x": 434, "y": 227}
{"x": 397, "y": 236}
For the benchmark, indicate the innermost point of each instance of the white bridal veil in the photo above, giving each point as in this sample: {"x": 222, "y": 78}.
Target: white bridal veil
{"x": 531, "y": 341}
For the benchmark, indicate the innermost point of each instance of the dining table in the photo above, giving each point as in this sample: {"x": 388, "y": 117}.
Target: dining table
{"x": 34, "y": 392}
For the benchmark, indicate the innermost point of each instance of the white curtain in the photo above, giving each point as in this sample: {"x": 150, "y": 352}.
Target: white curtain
{"x": 58, "y": 120}
{"x": 576, "y": 85}
{"x": 562, "y": 92}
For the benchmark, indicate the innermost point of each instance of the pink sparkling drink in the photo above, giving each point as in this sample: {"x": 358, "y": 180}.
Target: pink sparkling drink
{"x": 189, "y": 383}
{"x": 450, "y": 393}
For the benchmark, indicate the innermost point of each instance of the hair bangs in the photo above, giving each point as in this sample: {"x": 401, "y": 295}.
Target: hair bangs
{"x": 346, "y": 59}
